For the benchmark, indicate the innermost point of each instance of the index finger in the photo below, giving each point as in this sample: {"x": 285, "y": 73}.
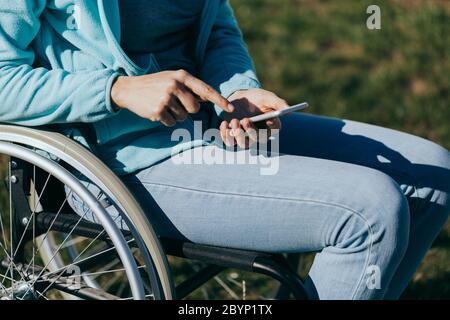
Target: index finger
{"x": 207, "y": 93}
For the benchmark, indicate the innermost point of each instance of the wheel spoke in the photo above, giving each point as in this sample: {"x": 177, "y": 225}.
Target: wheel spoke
{"x": 44, "y": 237}
{"x": 57, "y": 250}
{"x": 10, "y": 226}
{"x": 56, "y": 278}
{"x": 32, "y": 217}
{"x": 3, "y": 231}
{"x": 99, "y": 273}
{"x": 105, "y": 269}
{"x": 221, "y": 283}
{"x": 74, "y": 262}
{"x": 10, "y": 268}
{"x": 63, "y": 269}
{"x": 226, "y": 288}
{"x": 147, "y": 296}
{"x": 73, "y": 242}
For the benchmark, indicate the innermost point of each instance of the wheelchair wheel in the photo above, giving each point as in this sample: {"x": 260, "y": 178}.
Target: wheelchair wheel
{"x": 49, "y": 252}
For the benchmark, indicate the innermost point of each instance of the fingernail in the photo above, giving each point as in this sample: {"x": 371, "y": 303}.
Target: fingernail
{"x": 230, "y": 107}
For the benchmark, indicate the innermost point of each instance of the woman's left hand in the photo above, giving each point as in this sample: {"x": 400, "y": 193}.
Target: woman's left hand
{"x": 237, "y": 127}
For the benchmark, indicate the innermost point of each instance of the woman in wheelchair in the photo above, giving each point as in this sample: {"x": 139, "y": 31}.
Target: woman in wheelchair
{"x": 121, "y": 77}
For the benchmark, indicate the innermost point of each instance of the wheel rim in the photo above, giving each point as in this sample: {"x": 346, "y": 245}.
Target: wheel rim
{"x": 78, "y": 157}
{"x": 23, "y": 278}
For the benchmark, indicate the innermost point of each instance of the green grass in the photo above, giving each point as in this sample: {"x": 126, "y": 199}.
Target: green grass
{"x": 322, "y": 52}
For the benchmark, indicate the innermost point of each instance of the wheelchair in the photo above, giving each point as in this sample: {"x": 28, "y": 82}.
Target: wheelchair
{"x": 47, "y": 251}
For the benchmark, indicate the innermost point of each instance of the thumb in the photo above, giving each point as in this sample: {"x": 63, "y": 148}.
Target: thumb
{"x": 276, "y": 102}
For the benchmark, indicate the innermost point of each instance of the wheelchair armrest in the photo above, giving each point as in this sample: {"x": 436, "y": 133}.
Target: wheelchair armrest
{"x": 225, "y": 257}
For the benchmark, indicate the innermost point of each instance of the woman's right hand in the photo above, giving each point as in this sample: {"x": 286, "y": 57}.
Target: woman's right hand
{"x": 166, "y": 96}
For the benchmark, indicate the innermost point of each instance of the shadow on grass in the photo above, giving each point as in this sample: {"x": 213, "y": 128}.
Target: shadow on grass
{"x": 437, "y": 288}
{"x": 442, "y": 241}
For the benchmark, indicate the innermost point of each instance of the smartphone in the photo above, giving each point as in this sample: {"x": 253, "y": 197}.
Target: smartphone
{"x": 279, "y": 113}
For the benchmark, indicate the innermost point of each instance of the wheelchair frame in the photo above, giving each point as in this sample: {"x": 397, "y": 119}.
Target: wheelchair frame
{"x": 217, "y": 259}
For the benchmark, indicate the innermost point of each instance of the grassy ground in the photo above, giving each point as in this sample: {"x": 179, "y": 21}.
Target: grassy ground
{"x": 322, "y": 52}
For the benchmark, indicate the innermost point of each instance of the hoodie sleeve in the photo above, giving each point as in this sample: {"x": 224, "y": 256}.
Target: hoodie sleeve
{"x": 37, "y": 96}
{"x": 227, "y": 65}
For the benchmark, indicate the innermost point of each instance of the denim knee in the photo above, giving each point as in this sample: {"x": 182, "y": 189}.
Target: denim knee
{"x": 431, "y": 172}
{"x": 382, "y": 220}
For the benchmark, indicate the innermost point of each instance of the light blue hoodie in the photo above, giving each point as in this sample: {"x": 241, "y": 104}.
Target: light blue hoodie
{"x": 59, "y": 58}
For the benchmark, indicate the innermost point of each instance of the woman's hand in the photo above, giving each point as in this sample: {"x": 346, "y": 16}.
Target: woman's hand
{"x": 166, "y": 96}
{"x": 248, "y": 103}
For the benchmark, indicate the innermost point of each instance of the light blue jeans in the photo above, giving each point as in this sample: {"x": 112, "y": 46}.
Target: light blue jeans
{"x": 369, "y": 200}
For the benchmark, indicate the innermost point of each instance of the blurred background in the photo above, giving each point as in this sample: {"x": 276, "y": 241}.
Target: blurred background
{"x": 398, "y": 77}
